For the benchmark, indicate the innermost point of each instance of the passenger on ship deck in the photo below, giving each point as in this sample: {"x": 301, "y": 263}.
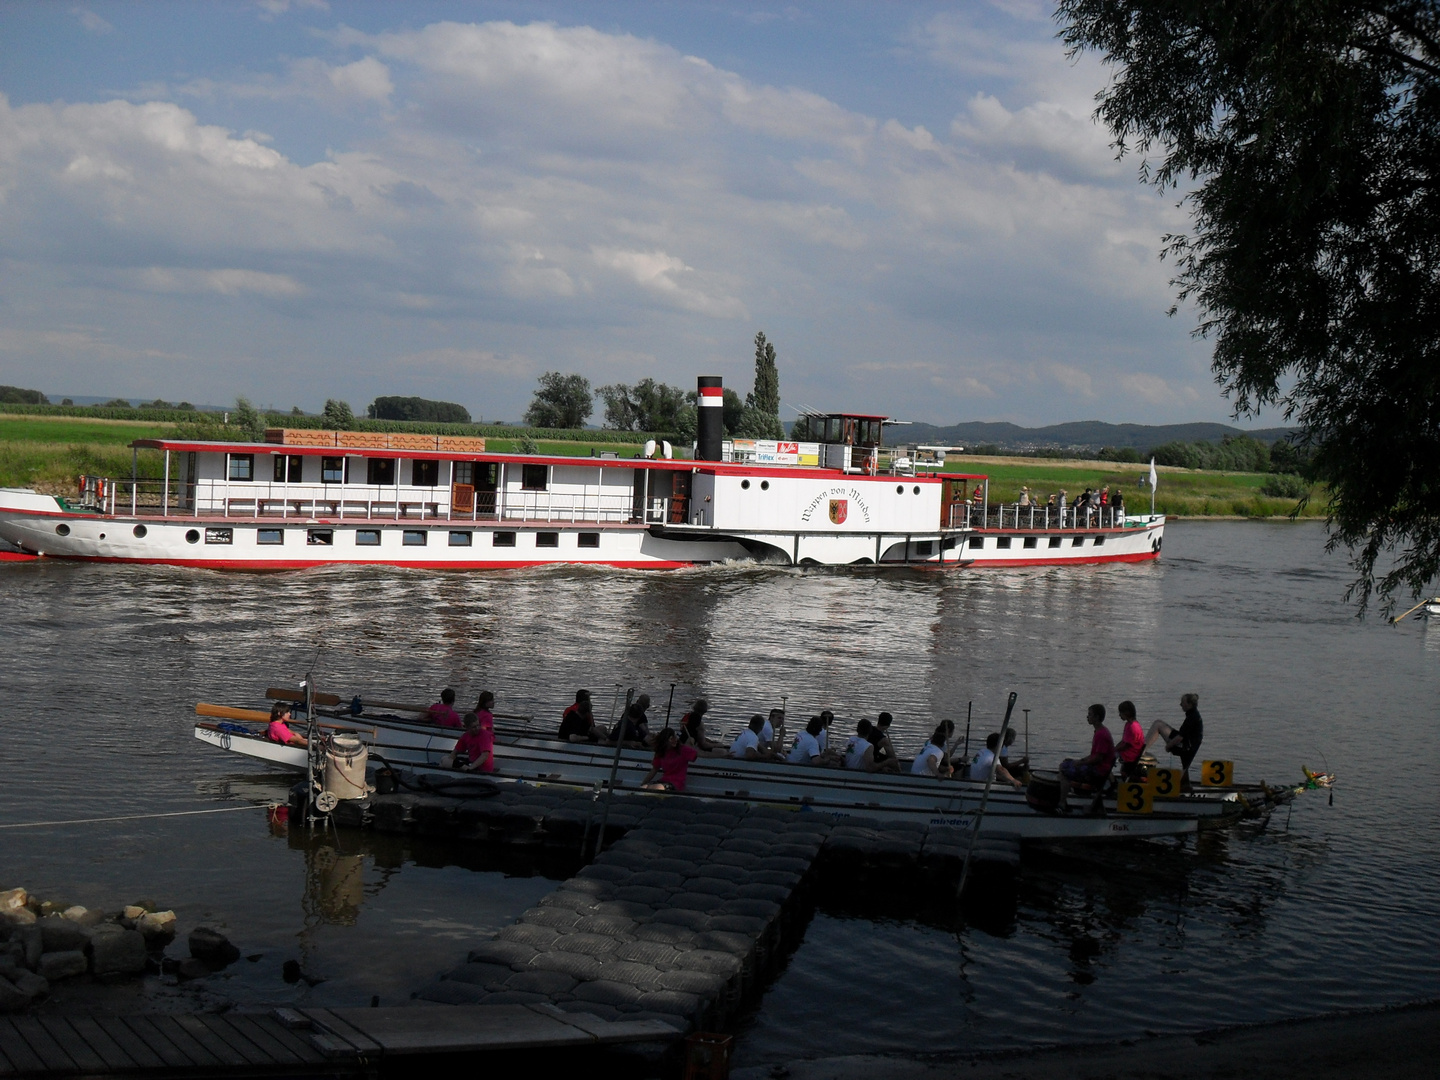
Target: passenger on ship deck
{"x": 749, "y": 745}
{"x": 577, "y": 723}
{"x": 443, "y": 711}
{"x": 806, "y": 750}
{"x": 1117, "y": 507}
{"x": 885, "y": 759}
{"x": 279, "y": 729}
{"x": 931, "y": 760}
{"x": 1094, "y": 768}
{"x": 1184, "y": 743}
{"x": 474, "y": 751}
{"x": 1132, "y": 742}
{"x": 859, "y": 753}
{"x": 671, "y": 764}
{"x": 1024, "y": 496}
{"x": 634, "y": 726}
{"x": 980, "y": 767}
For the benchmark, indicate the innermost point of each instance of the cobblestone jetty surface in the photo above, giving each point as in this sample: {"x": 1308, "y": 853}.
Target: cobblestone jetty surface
{"x": 684, "y": 918}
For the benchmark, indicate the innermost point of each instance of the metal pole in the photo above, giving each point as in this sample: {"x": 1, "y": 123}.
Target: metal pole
{"x": 1027, "y": 737}
{"x": 669, "y": 703}
{"x": 585, "y": 839}
{"x": 165, "y": 494}
{"x": 985, "y": 797}
{"x": 969, "y": 707}
{"x": 614, "y": 771}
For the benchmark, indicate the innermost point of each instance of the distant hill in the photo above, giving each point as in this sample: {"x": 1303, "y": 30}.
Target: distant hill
{"x": 1079, "y": 435}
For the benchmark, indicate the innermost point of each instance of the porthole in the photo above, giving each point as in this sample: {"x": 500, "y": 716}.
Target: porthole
{"x": 62, "y": 530}
{"x": 744, "y": 485}
{"x": 139, "y": 532}
{"x": 917, "y": 489}
{"x": 899, "y": 489}
{"x": 193, "y": 536}
{"x": 764, "y": 485}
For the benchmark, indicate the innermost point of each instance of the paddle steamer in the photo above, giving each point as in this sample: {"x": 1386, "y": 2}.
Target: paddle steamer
{"x": 833, "y": 495}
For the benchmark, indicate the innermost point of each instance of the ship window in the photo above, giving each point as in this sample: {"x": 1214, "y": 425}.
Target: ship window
{"x": 332, "y": 470}
{"x": 535, "y": 477}
{"x": 425, "y": 474}
{"x": 414, "y": 537}
{"x": 1054, "y": 541}
{"x": 547, "y": 539}
{"x": 925, "y": 547}
{"x": 977, "y": 541}
{"x": 899, "y": 489}
{"x": 588, "y": 540}
{"x": 192, "y": 536}
{"x": 744, "y": 485}
{"x": 270, "y": 536}
{"x": 288, "y": 467}
{"x": 242, "y": 466}
{"x": 139, "y": 532}
{"x": 379, "y": 471}
{"x": 1003, "y": 542}
{"x": 1031, "y": 542}
{"x": 764, "y": 485}
{"x": 464, "y": 472}
{"x": 216, "y": 536}
{"x": 1099, "y": 540}
{"x": 917, "y": 489}
{"x": 62, "y": 529}
{"x": 504, "y": 539}
{"x": 320, "y": 537}
{"x": 367, "y": 537}
{"x": 460, "y": 538}
{"x": 1079, "y": 541}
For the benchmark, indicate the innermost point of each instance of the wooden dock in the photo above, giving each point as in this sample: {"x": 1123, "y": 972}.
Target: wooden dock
{"x": 296, "y": 1042}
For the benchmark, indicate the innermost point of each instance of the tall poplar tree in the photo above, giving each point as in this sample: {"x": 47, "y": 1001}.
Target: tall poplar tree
{"x": 761, "y": 416}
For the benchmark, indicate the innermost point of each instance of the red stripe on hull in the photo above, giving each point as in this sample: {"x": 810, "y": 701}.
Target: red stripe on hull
{"x": 1143, "y": 556}
{"x": 17, "y": 556}
{"x": 266, "y": 566}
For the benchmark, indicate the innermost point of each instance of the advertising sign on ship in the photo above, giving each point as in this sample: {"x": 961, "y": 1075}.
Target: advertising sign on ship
{"x": 773, "y": 452}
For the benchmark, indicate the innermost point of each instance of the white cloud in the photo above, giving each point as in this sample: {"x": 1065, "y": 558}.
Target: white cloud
{"x": 92, "y": 22}
{"x": 273, "y": 9}
{"x": 367, "y": 79}
{"x": 667, "y": 277}
{"x": 226, "y": 282}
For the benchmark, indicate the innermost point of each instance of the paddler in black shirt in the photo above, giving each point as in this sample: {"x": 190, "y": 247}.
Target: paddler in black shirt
{"x": 578, "y": 722}
{"x": 634, "y": 727}
{"x": 1184, "y": 743}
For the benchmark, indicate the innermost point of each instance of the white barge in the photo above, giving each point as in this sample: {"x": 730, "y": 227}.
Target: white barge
{"x": 307, "y": 498}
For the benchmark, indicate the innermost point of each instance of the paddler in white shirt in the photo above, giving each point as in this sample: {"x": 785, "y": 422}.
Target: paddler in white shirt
{"x": 980, "y": 767}
{"x": 807, "y": 744}
{"x": 750, "y": 745}
{"x": 859, "y": 753}
{"x": 931, "y": 760}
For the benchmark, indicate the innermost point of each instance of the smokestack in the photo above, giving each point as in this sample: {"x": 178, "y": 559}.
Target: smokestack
{"x": 711, "y": 425}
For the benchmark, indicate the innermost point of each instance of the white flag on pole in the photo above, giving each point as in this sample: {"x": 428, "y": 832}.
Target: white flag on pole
{"x": 1153, "y": 477}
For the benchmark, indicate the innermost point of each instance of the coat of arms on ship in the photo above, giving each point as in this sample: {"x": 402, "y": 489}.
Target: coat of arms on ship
{"x": 839, "y": 508}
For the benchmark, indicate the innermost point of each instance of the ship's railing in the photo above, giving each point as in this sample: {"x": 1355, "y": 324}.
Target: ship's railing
{"x": 269, "y": 500}
{"x": 969, "y": 515}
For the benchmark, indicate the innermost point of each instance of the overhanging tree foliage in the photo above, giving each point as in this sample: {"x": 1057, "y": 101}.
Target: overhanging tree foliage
{"x": 562, "y": 401}
{"x": 1310, "y": 130}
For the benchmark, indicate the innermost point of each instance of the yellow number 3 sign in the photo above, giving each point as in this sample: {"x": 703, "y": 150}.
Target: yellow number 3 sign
{"x": 1165, "y": 782}
{"x": 1135, "y": 797}
{"x": 1217, "y": 773}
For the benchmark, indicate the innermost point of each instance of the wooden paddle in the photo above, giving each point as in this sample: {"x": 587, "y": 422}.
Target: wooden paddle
{"x": 279, "y": 693}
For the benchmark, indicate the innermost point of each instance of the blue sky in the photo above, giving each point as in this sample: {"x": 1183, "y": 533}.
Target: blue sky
{"x": 298, "y": 200}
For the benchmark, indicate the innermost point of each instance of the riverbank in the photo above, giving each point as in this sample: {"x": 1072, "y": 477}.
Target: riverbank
{"x": 1344, "y": 1046}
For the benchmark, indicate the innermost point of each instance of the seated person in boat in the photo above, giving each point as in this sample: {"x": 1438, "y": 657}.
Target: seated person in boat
{"x": 474, "y": 750}
{"x": 749, "y": 745}
{"x": 1020, "y": 765}
{"x": 634, "y": 727}
{"x": 1093, "y": 769}
{"x": 806, "y": 750}
{"x": 1185, "y": 742}
{"x": 773, "y": 733}
{"x": 946, "y": 730}
{"x": 692, "y": 724}
{"x": 443, "y": 711}
{"x": 669, "y": 767}
{"x": 1132, "y": 743}
{"x": 279, "y": 729}
{"x": 931, "y": 760}
{"x": 884, "y": 750}
{"x": 859, "y": 753}
{"x": 980, "y": 767}
{"x": 577, "y": 723}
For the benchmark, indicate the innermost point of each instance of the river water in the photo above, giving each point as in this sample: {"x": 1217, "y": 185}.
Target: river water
{"x": 1329, "y": 907}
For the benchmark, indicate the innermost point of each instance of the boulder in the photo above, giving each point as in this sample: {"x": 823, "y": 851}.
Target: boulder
{"x": 11, "y": 899}
{"x": 50, "y": 907}
{"x": 29, "y": 936}
{"x": 84, "y": 916}
{"x": 12, "y": 999}
{"x": 156, "y": 925}
{"x": 130, "y": 914}
{"x": 60, "y": 934}
{"x": 145, "y": 905}
{"x": 21, "y": 916}
{"x": 117, "y": 951}
{"x": 62, "y": 965}
{"x": 212, "y": 947}
{"x": 28, "y": 983}
{"x": 191, "y": 968}
{"x": 12, "y": 954}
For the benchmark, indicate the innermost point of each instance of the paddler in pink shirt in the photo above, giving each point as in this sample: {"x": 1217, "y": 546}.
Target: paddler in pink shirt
{"x": 473, "y": 752}
{"x": 279, "y": 730}
{"x": 443, "y": 711}
{"x": 486, "y": 745}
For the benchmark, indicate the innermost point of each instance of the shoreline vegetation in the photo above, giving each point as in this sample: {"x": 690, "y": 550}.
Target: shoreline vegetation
{"x": 49, "y": 452}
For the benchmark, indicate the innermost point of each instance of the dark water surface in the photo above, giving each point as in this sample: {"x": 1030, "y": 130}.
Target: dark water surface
{"x": 102, "y": 666}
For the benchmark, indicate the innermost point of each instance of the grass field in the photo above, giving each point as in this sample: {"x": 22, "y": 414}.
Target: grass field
{"x": 49, "y": 453}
